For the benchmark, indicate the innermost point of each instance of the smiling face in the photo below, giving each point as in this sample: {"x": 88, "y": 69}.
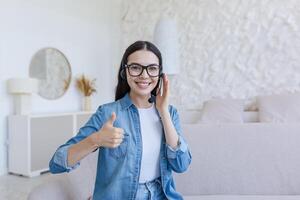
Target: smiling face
{"x": 142, "y": 85}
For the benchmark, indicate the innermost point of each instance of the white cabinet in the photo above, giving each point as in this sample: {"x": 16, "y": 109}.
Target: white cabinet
{"x": 33, "y": 139}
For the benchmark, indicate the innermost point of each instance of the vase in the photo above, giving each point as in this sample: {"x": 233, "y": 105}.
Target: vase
{"x": 87, "y": 103}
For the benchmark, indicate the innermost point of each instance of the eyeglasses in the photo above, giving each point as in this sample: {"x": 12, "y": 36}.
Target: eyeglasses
{"x": 136, "y": 69}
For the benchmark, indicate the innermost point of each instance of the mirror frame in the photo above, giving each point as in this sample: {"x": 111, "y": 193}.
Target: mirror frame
{"x": 66, "y": 86}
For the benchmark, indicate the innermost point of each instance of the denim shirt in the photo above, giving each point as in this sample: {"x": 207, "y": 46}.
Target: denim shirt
{"x": 118, "y": 168}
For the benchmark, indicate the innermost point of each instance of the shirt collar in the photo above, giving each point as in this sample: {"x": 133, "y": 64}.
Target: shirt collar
{"x": 126, "y": 101}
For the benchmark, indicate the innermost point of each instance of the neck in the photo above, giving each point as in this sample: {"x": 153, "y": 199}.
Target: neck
{"x": 140, "y": 101}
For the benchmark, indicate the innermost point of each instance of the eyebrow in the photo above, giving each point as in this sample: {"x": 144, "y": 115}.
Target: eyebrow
{"x": 142, "y": 64}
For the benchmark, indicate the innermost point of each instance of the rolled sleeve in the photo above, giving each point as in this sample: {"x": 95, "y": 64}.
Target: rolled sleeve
{"x": 181, "y": 148}
{"x": 61, "y": 158}
{"x": 180, "y": 157}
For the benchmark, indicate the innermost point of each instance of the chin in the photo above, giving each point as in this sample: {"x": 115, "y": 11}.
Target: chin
{"x": 142, "y": 92}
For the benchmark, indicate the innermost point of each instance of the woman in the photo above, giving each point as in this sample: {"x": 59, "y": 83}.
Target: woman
{"x": 138, "y": 135}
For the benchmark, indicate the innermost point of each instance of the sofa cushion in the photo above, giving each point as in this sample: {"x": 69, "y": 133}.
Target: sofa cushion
{"x": 279, "y": 108}
{"x": 222, "y": 111}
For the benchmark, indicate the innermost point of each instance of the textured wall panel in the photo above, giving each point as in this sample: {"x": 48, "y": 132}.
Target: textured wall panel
{"x": 229, "y": 48}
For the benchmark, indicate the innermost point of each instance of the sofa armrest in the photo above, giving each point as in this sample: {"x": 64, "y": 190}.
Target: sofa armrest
{"x": 75, "y": 185}
{"x": 55, "y": 189}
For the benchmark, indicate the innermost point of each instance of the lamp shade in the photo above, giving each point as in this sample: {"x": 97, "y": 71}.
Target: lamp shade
{"x": 166, "y": 39}
{"x": 22, "y": 85}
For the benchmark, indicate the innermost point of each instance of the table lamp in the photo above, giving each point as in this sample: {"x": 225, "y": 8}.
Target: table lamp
{"x": 21, "y": 89}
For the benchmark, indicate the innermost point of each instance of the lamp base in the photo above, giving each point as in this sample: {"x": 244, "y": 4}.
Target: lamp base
{"x": 22, "y": 104}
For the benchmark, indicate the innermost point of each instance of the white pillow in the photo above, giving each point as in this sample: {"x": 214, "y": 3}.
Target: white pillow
{"x": 279, "y": 108}
{"x": 222, "y": 111}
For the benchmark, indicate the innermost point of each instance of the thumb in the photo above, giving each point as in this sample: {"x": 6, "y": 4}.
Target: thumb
{"x": 112, "y": 119}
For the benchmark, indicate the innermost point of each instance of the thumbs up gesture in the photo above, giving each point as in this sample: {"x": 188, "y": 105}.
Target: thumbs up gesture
{"x": 110, "y": 136}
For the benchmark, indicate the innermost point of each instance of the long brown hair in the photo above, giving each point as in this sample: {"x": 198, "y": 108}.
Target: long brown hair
{"x": 122, "y": 86}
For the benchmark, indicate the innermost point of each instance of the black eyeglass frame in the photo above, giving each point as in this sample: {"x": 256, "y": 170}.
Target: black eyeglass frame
{"x": 144, "y": 68}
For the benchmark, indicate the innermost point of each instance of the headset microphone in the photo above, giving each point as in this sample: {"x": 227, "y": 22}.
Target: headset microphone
{"x": 151, "y": 99}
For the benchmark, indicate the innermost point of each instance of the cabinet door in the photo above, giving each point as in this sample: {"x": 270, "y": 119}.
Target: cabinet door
{"x": 81, "y": 119}
{"x": 47, "y": 133}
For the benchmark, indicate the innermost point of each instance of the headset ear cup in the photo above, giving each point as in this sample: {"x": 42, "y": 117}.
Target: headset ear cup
{"x": 161, "y": 73}
{"x": 123, "y": 74}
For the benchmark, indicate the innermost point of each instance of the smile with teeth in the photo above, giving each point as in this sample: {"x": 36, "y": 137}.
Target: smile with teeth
{"x": 143, "y": 85}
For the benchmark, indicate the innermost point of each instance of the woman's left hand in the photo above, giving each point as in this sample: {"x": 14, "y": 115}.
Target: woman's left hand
{"x": 162, "y": 101}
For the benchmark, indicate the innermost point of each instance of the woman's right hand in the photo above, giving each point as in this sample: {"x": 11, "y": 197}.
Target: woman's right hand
{"x": 109, "y": 136}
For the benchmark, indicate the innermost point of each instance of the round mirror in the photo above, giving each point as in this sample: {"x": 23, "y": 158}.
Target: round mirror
{"x": 52, "y": 69}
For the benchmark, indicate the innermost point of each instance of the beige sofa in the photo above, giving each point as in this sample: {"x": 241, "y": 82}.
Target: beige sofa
{"x": 248, "y": 161}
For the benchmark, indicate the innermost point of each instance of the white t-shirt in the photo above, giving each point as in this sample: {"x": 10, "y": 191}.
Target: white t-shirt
{"x": 151, "y": 130}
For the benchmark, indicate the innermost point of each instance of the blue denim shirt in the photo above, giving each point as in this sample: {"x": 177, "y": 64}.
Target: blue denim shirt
{"x": 118, "y": 168}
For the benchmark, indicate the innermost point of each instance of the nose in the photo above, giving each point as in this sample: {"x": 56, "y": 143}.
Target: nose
{"x": 144, "y": 74}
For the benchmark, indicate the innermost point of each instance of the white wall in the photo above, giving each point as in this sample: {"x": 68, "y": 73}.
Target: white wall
{"x": 87, "y": 32}
{"x": 229, "y": 48}
{"x": 236, "y": 48}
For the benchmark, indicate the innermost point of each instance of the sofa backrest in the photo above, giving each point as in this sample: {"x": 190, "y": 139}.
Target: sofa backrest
{"x": 193, "y": 116}
{"x": 250, "y": 158}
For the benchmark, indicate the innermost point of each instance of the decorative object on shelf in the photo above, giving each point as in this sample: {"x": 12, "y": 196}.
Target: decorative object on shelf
{"x": 166, "y": 39}
{"x": 22, "y": 88}
{"x": 53, "y": 70}
{"x": 87, "y": 87}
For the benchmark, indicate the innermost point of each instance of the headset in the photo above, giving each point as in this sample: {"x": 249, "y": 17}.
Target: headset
{"x": 153, "y": 93}
{"x": 160, "y": 88}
